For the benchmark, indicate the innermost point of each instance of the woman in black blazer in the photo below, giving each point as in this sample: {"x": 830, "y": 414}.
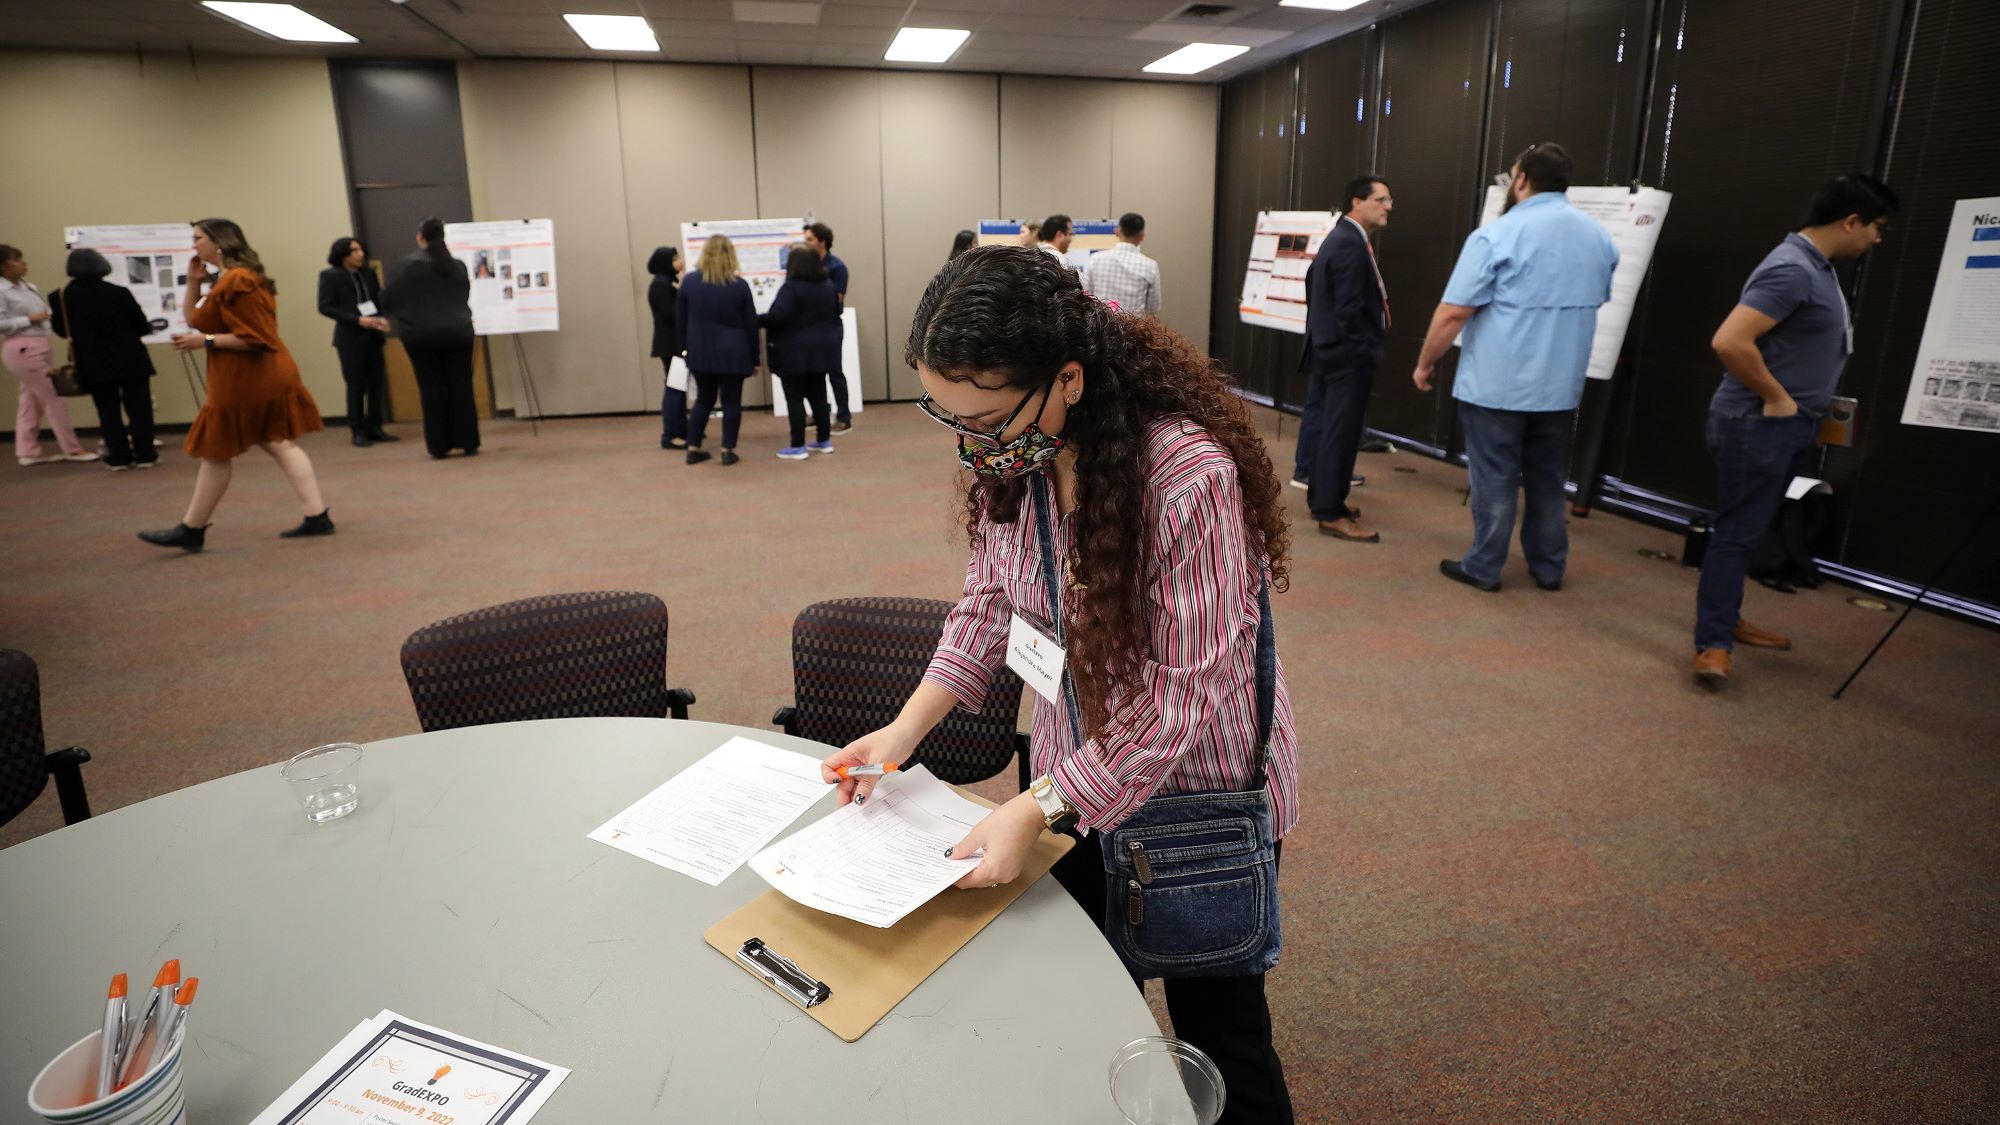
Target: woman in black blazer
{"x": 665, "y": 266}
{"x": 717, "y": 319}
{"x": 425, "y": 300}
{"x": 105, "y": 327}
{"x": 348, "y": 293}
{"x": 804, "y": 324}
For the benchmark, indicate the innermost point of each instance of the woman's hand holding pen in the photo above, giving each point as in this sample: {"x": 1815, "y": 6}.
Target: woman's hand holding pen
{"x": 1007, "y": 834}
{"x": 890, "y": 745}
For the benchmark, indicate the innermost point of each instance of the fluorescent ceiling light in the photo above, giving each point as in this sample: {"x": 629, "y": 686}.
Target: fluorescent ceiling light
{"x": 926, "y": 44}
{"x": 279, "y": 21}
{"x": 1195, "y": 58}
{"x": 614, "y": 33}
{"x": 1322, "y": 5}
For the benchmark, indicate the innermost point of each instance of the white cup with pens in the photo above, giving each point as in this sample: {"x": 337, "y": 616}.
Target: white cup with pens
{"x": 326, "y": 780}
{"x": 1162, "y": 1081}
{"x": 128, "y": 1071}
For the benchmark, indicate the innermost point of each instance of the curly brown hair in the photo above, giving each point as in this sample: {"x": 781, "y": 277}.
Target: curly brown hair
{"x": 1020, "y": 314}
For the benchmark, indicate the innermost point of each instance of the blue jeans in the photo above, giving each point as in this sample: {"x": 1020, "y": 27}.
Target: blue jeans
{"x": 673, "y": 412}
{"x": 1514, "y": 452}
{"x": 707, "y": 387}
{"x": 1753, "y": 463}
{"x": 1302, "y": 458}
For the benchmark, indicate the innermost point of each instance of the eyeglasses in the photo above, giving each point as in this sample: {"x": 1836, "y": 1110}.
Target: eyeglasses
{"x": 991, "y": 437}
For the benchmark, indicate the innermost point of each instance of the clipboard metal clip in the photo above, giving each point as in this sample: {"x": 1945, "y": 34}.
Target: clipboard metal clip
{"x": 783, "y": 974}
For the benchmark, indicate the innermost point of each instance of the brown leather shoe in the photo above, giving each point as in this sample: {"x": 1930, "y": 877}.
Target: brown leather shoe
{"x": 1352, "y": 531}
{"x": 1711, "y": 668}
{"x": 1748, "y": 634}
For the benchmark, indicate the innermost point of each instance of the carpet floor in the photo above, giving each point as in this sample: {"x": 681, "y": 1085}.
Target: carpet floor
{"x": 1539, "y": 877}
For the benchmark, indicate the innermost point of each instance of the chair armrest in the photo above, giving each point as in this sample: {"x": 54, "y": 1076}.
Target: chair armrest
{"x": 679, "y": 699}
{"x": 66, "y": 766}
{"x": 1021, "y": 747}
{"x": 786, "y": 719}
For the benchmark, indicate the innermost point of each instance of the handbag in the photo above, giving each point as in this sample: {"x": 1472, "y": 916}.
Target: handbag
{"x": 64, "y": 376}
{"x": 1196, "y": 874}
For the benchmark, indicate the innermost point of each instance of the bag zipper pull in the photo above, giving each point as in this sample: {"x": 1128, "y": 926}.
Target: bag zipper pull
{"x": 1141, "y": 862}
{"x": 1135, "y": 904}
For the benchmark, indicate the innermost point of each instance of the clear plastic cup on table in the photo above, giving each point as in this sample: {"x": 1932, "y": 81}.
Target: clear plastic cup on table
{"x": 1162, "y": 1081}
{"x": 326, "y": 780}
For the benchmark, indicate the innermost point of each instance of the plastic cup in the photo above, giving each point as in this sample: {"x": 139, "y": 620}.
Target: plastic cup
{"x": 326, "y": 780}
{"x": 1162, "y": 1081}
{"x": 62, "y": 1094}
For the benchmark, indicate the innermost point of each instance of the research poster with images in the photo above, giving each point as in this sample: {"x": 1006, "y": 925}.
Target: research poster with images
{"x": 149, "y": 260}
{"x": 1956, "y": 382}
{"x": 512, "y": 263}
{"x": 760, "y": 251}
{"x": 1088, "y": 236}
{"x": 1274, "y": 282}
{"x": 1633, "y": 220}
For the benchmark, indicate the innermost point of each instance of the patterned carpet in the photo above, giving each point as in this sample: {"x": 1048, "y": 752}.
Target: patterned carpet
{"x": 1540, "y": 876}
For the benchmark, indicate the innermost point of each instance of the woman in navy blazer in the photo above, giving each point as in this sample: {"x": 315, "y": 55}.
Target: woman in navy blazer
{"x": 805, "y": 333}
{"x": 717, "y": 320}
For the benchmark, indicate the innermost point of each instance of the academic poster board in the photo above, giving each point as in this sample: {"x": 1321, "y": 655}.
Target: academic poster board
{"x": 1633, "y": 220}
{"x": 1088, "y": 236}
{"x": 850, "y": 366}
{"x": 1956, "y": 382}
{"x": 1274, "y": 281}
{"x": 512, "y": 263}
{"x": 149, "y": 260}
{"x": 760, "y": 250}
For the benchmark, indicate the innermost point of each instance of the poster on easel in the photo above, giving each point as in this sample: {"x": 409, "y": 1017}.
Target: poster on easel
{"x": 1633, "y": 220}
{"x": 150, "y": 261}
{"x": 1274, "y": 281}
{"x": 760, "y": 251}
{"x": 1087, "y": 237}
{"x": 512, "y": 263}
{"x": 1955, "y": 384}
{"x": 850, "y": 367}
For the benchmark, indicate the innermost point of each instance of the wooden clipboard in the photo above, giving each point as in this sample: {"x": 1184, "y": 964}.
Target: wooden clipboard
{"x": 871, "y": 970}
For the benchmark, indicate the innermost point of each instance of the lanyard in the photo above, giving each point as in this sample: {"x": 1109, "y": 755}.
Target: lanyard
{"x": 1267, "y": 635}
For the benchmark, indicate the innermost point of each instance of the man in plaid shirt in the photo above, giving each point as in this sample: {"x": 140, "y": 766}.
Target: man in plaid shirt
{"x": 1123, "y": 274}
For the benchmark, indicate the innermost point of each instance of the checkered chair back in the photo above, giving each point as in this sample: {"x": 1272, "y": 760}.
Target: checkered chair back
{"x": 24, "y": 765}
{"x": 855, "y": 662}
{"x": 560, "y": 656}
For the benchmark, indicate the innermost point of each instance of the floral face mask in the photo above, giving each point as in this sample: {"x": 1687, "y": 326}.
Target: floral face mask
{"x": 984, "y": 453}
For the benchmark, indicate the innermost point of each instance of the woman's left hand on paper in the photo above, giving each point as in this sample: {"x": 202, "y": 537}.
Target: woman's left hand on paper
{"x": 1007, "y": 834}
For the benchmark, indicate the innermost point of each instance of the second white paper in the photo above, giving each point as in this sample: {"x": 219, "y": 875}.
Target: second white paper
{"x": 707, "y": 819}
{"x": 875, "y": 863}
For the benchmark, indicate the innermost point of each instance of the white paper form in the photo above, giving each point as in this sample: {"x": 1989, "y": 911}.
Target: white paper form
{"x": 710, "y": 817}
{"x": 875, "y": 863}
{"x": 391, "y": 1070}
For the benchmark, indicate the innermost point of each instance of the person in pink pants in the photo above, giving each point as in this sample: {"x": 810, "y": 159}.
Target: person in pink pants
{"x": 24, "y": 322}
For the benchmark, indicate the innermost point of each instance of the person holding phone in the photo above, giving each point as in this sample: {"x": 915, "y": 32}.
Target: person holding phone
{"x": 1112, "y": 443}
{"x": 255, "y": 397}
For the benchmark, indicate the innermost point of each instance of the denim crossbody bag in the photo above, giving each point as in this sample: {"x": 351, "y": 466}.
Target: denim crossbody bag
{"x": 1194, "y": 876}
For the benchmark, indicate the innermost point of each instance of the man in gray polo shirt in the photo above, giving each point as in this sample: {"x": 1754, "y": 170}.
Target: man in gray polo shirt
{"x": 1783, "y": 346}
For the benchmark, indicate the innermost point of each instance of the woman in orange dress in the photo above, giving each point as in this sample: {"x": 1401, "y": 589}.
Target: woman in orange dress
{"x": 255, "y": 396}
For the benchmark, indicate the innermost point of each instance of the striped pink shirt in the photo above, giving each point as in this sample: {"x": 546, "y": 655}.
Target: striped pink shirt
{"x": 1193, "y": 725}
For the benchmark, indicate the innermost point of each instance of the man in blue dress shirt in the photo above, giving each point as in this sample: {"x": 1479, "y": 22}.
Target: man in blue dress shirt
{"x": 1782, "y": 350}
{"x": 1525, "y": 294}
{"x": 819, "y": 236}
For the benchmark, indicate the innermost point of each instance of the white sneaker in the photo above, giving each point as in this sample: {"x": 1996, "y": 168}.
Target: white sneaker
{"x": 1300, "y": 484}
{"x": 81, "y": 458}
{"x": 44, "y": 459}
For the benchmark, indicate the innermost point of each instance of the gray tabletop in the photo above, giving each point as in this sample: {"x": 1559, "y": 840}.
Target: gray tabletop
{"x": 463, "y": 893}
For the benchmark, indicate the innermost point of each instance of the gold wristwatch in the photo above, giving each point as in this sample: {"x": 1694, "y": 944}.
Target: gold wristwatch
{"x": 1057, "y": 813}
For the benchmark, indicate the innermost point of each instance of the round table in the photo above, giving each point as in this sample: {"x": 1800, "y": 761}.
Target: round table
{"x": 464, "y": 894}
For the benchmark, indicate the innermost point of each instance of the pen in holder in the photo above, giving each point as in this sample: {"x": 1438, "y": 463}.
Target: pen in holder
{"x": 64, "y": 1092}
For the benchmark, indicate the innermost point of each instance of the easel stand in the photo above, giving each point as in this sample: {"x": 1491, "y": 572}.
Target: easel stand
{"x": 531, "y": 397}
{"x": 1978, "y": 526}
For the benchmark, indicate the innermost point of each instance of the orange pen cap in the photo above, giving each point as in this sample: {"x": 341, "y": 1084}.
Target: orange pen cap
{"x": 186, "y": 995}
{"x": 169, "y": 974}
{"x": 117, "y": 987}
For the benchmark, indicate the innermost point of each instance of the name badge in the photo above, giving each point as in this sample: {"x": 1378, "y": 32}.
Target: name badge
{"x": 1036, "y": 657}
{"x": 367, "y": 308}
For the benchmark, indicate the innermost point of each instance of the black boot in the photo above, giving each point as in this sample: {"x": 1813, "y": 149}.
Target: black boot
{"x": 321, "y": 524}
{"x": 180, "y": 535}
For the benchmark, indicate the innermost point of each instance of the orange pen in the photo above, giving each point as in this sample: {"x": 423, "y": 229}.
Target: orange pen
{"x": 182, "y": 1001}
{"x": 867, "y": 771}
{"x": 150, "y": 1026}
{"x": 114, "y": 1035}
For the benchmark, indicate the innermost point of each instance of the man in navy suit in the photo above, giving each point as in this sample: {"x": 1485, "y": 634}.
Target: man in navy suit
{"x": 1347, "y": 316}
